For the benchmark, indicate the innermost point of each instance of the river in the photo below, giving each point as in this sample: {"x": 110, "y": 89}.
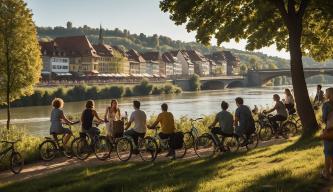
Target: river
{"x": 191, "y": 104}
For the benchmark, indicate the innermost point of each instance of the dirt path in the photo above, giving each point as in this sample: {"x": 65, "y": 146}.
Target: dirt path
{"x": 43, "y": 168}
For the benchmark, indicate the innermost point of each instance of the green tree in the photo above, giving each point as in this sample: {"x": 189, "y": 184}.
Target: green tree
{"x": 243, "y": 69}
{"x": 300, "y": 26}
{"x": 195, "y": 82}
{"x": 20, "y": 62}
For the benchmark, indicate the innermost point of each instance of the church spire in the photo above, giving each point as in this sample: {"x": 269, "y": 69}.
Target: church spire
{"x": 100, "y": 37}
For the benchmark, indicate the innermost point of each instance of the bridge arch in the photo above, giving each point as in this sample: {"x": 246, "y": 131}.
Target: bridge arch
{"x": 212, "y": 85}
{"x": 234, "y": 84}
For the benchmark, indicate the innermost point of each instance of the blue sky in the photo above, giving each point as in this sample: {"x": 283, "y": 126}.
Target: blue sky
{"x": 135, "y": 15}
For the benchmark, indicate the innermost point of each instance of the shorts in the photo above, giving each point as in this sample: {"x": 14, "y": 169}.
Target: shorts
{"x": 328, "y": 148}
{"x": 62, "y": 131}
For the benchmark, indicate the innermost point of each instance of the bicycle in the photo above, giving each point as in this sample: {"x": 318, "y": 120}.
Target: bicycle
{"x": 295, "y": 119}
{"x": 146, "y": 148}
{"x": 16, "y": 161}
{"x": 86, "y": 144}
{"x": 192, "y": 135}
{"x": 267, "y": 131}
{"x": 209, "y": 143}
{"x": 51, "y": 146}
{"x": 164, "y": 145}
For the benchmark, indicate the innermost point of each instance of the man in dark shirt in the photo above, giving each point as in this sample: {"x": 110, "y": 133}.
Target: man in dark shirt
{"x": 244, "y": 122}
{"x": 319, "y": 98}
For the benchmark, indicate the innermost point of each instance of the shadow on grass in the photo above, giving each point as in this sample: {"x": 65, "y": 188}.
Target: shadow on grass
{"x": 299, "y": 145}
{"x": 174, "y": 176}
{"x": 284, "y": 180}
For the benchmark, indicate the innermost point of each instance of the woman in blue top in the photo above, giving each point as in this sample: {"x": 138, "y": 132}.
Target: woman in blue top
{"x": 57, "y": 120}
{"x": 327, "y": 108}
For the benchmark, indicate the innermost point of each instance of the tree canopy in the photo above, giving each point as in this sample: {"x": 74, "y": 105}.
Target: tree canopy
{"x": 20, "y": 63}
{"x": 260, "y": 22}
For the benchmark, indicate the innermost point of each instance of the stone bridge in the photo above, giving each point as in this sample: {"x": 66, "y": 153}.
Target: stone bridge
{"x": 257, "y": 78}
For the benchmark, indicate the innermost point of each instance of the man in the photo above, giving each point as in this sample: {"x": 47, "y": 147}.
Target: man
{"x": 319, "y": 98}
{"x": 139, "y": 118}
{"x": 244, "y": 122}
{"x": 225, "y": 120}
{"x": 167, "y": 122}
{"x": 281, "y": 113}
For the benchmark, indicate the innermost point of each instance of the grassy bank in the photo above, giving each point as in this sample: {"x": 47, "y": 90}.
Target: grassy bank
{"x": 291, "y": 166}
{"x": 44, "y": 96}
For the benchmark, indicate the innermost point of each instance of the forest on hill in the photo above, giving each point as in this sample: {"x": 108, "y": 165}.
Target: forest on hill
{"x": 142, "y": 42}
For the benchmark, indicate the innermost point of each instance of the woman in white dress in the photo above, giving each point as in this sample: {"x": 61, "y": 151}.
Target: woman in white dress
{"x": 112, "y": 113}
{"x": 289, "y": 101}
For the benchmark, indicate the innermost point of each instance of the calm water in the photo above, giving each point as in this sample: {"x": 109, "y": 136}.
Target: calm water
{"x": 36, "y": 119}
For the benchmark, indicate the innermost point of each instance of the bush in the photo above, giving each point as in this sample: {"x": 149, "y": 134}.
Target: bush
{"x": 144, "y": 88}
{"x": 116, "y": 92}
{"x": 92, "y": 93}
{"x": 157, "y": 90}
{"x": 194, "y": 83}
{"x": 128, "y": 92}
{"x": 78, "y": 93}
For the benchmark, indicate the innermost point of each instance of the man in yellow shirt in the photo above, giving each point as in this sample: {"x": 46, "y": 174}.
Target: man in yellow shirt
{"x": 168, "y": 128}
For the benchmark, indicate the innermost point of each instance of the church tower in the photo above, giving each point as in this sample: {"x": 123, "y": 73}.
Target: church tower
{"x": 100, "y": 37}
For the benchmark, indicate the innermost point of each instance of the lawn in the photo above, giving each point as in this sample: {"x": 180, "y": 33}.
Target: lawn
{"x": 290, "y": 166}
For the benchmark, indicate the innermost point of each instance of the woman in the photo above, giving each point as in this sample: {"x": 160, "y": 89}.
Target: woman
{"x": 87, "y": 118}
{"x": 289, "y": 102}
{"x": 112, "y": 113}
{"x": 58, "y": 118}
{"x": 327, "y": 108}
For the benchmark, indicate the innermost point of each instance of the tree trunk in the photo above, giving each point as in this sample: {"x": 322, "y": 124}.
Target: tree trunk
{"x": 8, "y": 111}
{"x": 303, "y": 103}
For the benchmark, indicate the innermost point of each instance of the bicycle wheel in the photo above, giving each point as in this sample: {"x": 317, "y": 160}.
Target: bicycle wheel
{"x": 252, "y": 141}
{"x": 16, "y": 162}
{"x": 188, "y": 140}
{"x": 204, "y": 146}
{"x": 288, "y": 129}
{"x": 102, "y": 148}
{"x": 148, "y": 149}
{"x": 124, "y": 149}
{"x": 68, "y": 152}
{"x": 265, "y": 133}
{"x": 83, "y": 149}
{"x": 47, "y": 150}
{"x": 181, "y": 152}
{"x": 231, "y": 144}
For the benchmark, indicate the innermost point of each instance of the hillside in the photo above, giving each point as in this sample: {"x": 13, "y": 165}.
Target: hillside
{"x": 142, "y": 42}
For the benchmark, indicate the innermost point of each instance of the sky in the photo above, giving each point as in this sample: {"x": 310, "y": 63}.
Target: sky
{"x": 137, "y": 16}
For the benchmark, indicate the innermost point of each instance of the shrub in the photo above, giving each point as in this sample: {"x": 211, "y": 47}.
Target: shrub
{"x": 128, "y": 92}
{"x": 144, "y": 88}
{"x": 157, "y": 90}
{"x": 194, "y": 83}
{"x": 92, "y": 93}
{"x": 116, "y": 92}
{"x": 78, "y": 93}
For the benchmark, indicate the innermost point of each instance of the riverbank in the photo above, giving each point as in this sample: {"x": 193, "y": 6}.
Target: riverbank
{"x": 290, "y": 166}
{"x": 44, "y": 96}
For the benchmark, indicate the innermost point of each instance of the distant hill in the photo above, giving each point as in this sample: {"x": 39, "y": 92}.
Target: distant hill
{"x": 142, "y": 43}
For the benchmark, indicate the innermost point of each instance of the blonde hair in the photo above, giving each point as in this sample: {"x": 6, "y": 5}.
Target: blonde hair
{"x": 329, "y": 93}
{"x": 58, "y": 103}
{"x": 116, "y": 102}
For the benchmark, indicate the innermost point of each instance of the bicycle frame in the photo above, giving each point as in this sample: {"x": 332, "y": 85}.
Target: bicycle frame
{"x": 163, "y": 143}
{"x": 4, "y": 153}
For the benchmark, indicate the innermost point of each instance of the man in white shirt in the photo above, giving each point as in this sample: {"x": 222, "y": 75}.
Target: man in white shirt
{"x": 139, "y": 118}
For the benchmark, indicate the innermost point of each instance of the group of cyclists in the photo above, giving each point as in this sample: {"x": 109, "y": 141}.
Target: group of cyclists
{"x": 240, "y": 124}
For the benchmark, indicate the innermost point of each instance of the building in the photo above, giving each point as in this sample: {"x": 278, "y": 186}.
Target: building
{"x": 233, "y": 63}
{"x": 186, "y": 65}
{"x": 110, "y": 60}
{"x": 220, "y": 61}
{"x": 201, "y": 64}
{"x": 173, "y": 66}
{"x": 137, "y": 64}
{"x": 154, "y": 63}
{"x": 82, "y": 56}
{"x": 54, "y": 60}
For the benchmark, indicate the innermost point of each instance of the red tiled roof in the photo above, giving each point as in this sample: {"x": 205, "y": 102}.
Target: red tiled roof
{"x": 76, "y": 46}
{"x": 104, "y": 50}
{"x": 51, "y": 48}
{"x": 195, "y": 55}
{"x": 135, "y": 56}
{"x": 152, "y": 56}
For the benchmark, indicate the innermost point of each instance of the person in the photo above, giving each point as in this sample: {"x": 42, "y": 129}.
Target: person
{"x": 289, "y": 102}
{"x": 225, "y": 120}
{"x": 58, "y": 118}
{"x": 139, "y": 118}
{"x": 327, "y": 108}
{"x": 244, "y": 122}
{"x": 167, "y": 122}
{"x": 87, "y": 118}
{"x": 281, "y": 112}
{"x": 319, "y": 98}
{"x": 112, "y": 113}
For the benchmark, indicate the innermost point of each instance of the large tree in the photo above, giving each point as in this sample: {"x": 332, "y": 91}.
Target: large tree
{"x": 299, "y": 26}
{"x": 20, "y": 62}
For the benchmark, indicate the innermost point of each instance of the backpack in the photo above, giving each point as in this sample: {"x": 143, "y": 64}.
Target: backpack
{"x": 176, "y": 140}
{"x": 118, "y": 129}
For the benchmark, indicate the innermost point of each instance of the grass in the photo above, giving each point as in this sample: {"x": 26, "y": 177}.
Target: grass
{"x": 290, "y": 166}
